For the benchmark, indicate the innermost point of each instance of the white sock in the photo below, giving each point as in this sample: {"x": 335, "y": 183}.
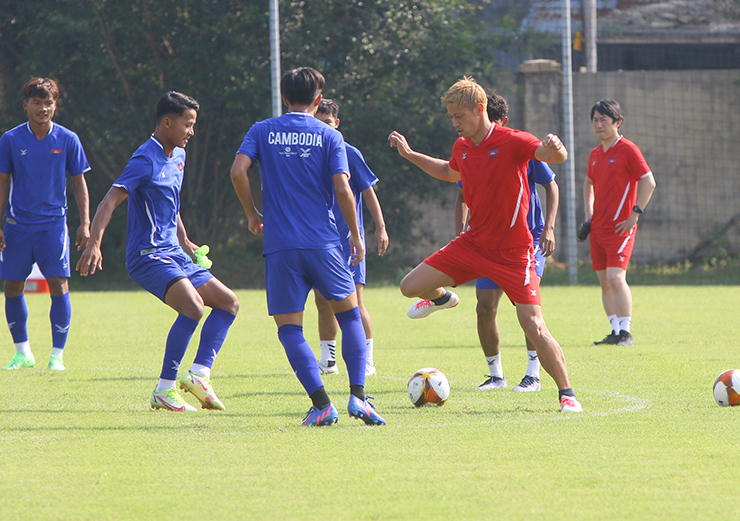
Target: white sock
{"x": 614, "y": 321}
{"x": 494, "y": 366}
{"x": 23, "y": 348}
{"x": 201, "y": 370}
{"x": 164, "y": 385}
{"x": 533, "y": 366}
{"x": 369, "y": 352}
{"x": 328, "y": 351}
{"x": 624, "y": 324}
{"x": 57, "y": 351}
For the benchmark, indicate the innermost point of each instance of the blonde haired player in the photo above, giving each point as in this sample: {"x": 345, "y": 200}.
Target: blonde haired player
{"x": 492, "y": 162}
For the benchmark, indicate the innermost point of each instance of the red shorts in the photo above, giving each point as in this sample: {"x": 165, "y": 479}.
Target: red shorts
{"x": 609, "y": 250}
{"x": 512, "y": 269}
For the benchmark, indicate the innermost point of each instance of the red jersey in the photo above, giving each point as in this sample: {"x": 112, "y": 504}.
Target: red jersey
{"x": 614, "y": 175}
{"x": 494, "y": 179}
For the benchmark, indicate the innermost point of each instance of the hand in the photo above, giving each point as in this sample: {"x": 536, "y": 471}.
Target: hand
{"x": 357, "y": 249}
{"x": 91, "y": 260}
{"x": 83, "y": 235}
{"x": 624, "y": 227}
{"x": 547, "y": 242}
{"x": 381, "y": 239}
{"x": 256, "y": 224}
{"x": 552, "y": 142}
{"x": 398, "y": 141}
{"x": 2, "y": 240}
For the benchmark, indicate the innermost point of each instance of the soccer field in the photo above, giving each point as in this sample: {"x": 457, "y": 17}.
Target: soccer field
{"x": 650, "y": 445}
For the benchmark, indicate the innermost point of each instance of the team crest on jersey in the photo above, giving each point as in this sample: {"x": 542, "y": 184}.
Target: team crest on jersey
{"x": 612, "y": 160}
{"x": 180, "y": 166}
{"x": 56, "y": 150}
{"x": 493, "y": 152}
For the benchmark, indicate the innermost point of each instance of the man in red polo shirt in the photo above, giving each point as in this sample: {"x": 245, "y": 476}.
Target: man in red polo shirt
{"x": 492, "y": 162}
{"x": 617, "y": 189}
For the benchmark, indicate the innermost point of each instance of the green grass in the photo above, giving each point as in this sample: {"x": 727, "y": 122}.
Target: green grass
{"x": 650, "y": 445}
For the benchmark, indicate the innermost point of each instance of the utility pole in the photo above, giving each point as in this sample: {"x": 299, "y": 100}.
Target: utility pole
{"x": 275, "y": 58}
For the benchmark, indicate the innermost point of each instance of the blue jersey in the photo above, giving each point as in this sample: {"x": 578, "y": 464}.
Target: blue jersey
{"x": 538, "y": 173}
{"x": 299, "y": 156}
{"x": 362, "y": 179}
{"x": 153, "y": 182}
{"x": 38, "y": 168}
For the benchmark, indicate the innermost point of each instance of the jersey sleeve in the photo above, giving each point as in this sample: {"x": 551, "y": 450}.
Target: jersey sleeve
{"x": 137, "y": 169}
{"x": 76, "y": 160}
{"x": 526, "y": 144}
{"x": 362, "y": 177}
{"x": 337, "y": 154}
{"x": 250, "y": 144}
{"x": 540, "y": 172}
{"x": 6, "y": 160}
{"x": 637, "y": 164}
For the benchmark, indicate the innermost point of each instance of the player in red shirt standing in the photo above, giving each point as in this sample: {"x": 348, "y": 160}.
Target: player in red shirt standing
{"x": 617, "y": 189}
{"x": 492, "y": 162}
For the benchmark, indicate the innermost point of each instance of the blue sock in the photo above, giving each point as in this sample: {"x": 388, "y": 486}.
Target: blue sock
{"x": 61, "y": 316}
{"x": 212, "y": 336}
{"x": 301, "y": 357}
{"x": 16, "y": 314}
{"x": 177, "y": 343}
{"x": 354, "y": 345}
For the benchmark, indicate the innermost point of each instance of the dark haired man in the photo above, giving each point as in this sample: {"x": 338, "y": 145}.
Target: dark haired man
{"x": 487, "y": 291}
{"x": 618, "y": 187}
{"x": 35, "y": 158}
{"x": 362, "y": 180}
{"x": 159, "y": 254}
{"x": 303, "y": 169}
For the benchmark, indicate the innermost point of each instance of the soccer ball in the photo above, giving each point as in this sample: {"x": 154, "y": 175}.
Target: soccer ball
{"x": 429, "y": 386}
{"x": 727, "y": 388}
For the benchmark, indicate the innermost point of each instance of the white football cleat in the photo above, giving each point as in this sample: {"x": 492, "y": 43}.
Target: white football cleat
{"x": 570, "y": 404}
{"x": 422, "y": 308}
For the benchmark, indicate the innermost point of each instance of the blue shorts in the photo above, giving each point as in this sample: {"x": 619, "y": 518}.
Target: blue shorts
{"x": 156, "y": 272}
{"x": 539, "y": 268}
{"x": 47, "y": 248}
{"x": 358, "y": 272}
{"x": 290, "y": 275}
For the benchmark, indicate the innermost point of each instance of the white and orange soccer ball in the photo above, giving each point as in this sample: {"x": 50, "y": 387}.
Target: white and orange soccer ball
{"x": 429, "y": 386}
{"x": 727, "y": 388}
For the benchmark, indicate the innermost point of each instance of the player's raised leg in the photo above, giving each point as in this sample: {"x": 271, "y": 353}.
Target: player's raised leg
{"x": 550, "y": 354}
{"x": 225, "y": 306}
{"x": 427, "y": 283}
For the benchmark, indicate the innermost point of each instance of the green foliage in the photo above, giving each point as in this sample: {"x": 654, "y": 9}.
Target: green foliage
{"x": 651, "y": 444}
{"x": 387, "y": 62}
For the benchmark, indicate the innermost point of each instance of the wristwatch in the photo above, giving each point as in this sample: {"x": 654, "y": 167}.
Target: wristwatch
{"x": 636, "y": 209}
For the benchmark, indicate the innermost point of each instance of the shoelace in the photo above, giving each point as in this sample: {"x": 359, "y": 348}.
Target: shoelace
{"x": 424, "y": 303}
{"x": 528, "y": 380}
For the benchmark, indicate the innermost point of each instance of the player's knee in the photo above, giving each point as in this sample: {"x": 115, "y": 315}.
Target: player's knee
{"x": 533, "y": 327}
{"x": 408, "y": 288}
{"x": 486, "y": 310}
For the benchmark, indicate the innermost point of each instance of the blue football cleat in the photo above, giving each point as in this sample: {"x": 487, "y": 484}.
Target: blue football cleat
{"x": 364, "y": 410}
{"x": 321, "y": 417}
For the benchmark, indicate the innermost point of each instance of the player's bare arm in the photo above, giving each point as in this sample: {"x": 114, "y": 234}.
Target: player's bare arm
{"x": 4, "y": 186}
{"x": 91, "y": 259}
{"x": 82, "y": 197}
{"x": 373, "y": 206}
{"x": 552, "y": 150}
{"x": 588, "y": 200}
{"x": 645, "y": 188}
{"x": 437, "y": 168}
{"x": 243, "y": 189}
{"x": 552, "y": 198}
{"x": 346, "y": 201}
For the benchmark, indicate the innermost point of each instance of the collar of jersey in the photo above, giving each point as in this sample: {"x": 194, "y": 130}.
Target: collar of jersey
{"x": 298, "y": 113}
{"x": 28, "y": 126}
{"x": 490, "y": 131}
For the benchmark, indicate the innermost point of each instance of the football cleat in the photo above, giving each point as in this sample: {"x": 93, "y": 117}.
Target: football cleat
{"x": 170, "y": 400}
{"x": 493, "y": 382}
{"x": 364, "y": 410}
{"x": 328, "y": 367}
{"x": 528, "y": 384}
{"x": 20, "y": 361}
{"x": 422, "y": 308}
{"x": 625, "y": 339}
{"x": 570, "y": 404}
{"x": 321, "y": 417}
{"x": 610, "y": 339}
{"x": 370, "y": 370}
{"x": 56, "y": 364}
{"x": 201, "y": 388}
